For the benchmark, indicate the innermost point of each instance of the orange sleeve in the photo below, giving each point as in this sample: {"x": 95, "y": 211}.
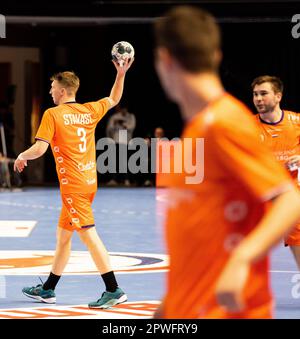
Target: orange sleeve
{"x": 47, "y": 128}
{"x": 299, "y": 131}
{"x": 99, "y": 108}
{"x": 239, "y": 151}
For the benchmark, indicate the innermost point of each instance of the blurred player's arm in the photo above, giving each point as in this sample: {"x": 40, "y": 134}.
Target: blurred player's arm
{"x": 118, "y": 86}
{"x": 34, "y": 152}
{"x": 278, "y": 221}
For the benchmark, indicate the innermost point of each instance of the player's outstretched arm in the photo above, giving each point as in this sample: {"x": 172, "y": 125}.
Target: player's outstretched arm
{"x": 280, "y": 219}
{"x": 34, "y": 152}
{"x": 118, "y": 86}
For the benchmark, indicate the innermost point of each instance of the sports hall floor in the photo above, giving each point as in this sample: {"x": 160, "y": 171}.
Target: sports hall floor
{"x": 129, "y": 221}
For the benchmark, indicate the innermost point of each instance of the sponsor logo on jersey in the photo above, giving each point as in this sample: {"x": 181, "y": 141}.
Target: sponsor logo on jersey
{"x": 86, "y": 167}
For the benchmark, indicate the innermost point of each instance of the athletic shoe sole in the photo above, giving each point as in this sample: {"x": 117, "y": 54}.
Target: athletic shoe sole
{"x": 37, "y": 297}
{"x": 112, "y": 302}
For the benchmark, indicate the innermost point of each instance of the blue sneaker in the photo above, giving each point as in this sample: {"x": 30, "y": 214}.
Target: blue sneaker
{"x": 109, "y": 299}
{"x": 38, "y": 293}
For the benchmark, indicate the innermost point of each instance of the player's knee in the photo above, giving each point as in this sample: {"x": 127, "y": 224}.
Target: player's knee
{"x": 88, "y": 242}
{"x": 88, "y": 239}
{"x": 63, "y": 242}
{"x": 85, "y": 238}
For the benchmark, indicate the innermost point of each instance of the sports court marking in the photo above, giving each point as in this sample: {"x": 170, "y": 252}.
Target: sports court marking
{"x": 128, "y": 310}
{"x": 58, "y": 208}
{"x": 285, "y": 272}
{"x": 16, "y": 228}
{"x": 31, "y": 206}
{"x": 36, "y": 262}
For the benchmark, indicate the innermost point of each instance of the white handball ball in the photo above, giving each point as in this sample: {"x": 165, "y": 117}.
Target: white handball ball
{"x": 122, "y": 51}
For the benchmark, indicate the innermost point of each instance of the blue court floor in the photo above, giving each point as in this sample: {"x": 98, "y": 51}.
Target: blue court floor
{"x": 130, "y": 225}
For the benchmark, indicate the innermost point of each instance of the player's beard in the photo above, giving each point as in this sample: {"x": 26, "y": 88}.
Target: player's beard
{"x": 265, "y": 109}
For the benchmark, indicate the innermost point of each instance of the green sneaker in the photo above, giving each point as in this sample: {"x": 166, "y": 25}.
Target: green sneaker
{"x": 38, "y": 293}
{"x": 109, "y": 299}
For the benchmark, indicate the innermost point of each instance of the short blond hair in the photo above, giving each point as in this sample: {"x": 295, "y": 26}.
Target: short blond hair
{"x": 68, "y": 80}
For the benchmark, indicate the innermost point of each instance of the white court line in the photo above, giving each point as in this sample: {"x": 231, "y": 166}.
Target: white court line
{"x": 285, "y": 272}
{"x": 16, "y": 228}
{"x": 8, "y": 203}
{"x": 130, "y": 212}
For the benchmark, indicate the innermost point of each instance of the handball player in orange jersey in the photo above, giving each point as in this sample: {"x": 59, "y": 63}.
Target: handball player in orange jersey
{"x": 280, "y": 131}
{"x": 69, "y": 128}
{"x": 218, "y": 230}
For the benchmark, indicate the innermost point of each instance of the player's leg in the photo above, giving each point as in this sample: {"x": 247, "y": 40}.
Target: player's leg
{"x": 97, "y": 249}
{"x": 89, "y": 236}
{"x": 45, "y": 292}
{"x": 82, "y": 219}
{"x": 113, "y": 294}
{"x": 63, "y": 250}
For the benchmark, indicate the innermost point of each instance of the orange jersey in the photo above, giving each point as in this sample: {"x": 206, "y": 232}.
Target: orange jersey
{"x": 283, "y": 137}
{"x": 70, "y": 130}
{"x": 206, "y": 220}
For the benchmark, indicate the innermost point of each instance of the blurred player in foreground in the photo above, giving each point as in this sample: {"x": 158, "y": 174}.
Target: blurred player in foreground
{"x": 69, "y": 128}
{"x": 280, "y": 131}
{"x": 218, "y": 232}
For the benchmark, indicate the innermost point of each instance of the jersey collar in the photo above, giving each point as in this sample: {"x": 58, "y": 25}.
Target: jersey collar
{"x": 70, "y": 102}
{"x": 272, "y": 123}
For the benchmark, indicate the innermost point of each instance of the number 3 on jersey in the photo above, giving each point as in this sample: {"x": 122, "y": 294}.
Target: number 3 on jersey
{"x": 82, "y": 133}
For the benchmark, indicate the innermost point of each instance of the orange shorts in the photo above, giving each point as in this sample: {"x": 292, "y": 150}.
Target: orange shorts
{"x": 293, "y": 239}
{"x": 76, "y": 213}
